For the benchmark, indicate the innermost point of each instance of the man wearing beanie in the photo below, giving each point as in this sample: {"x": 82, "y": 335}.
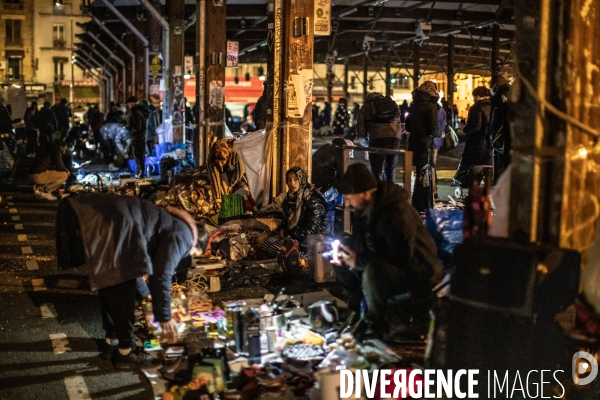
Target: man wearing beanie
{"x": 138, "y": 123}
{"x": 389, "y": 253}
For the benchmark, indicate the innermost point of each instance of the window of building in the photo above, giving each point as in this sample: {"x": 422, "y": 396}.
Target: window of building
{"x": 13, "y": 4}
{"x": 58, "y": 33}
{"x": 402, "y": 82}
{"x": 13, "y": 32}
{"x": 15, "y": 68}
{"x": 59, "y": 68}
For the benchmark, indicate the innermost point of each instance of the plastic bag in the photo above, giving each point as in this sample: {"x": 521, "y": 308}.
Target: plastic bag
{"x": 445, "y": 226}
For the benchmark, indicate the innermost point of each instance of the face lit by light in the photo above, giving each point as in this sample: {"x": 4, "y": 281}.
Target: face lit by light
{"x": 292, "y": 182}
{"x": 357, "y": 201}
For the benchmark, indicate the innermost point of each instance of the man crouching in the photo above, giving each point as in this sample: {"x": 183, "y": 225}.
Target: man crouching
{"x": 121, "y": 239}
{"x": 390, "y": 256}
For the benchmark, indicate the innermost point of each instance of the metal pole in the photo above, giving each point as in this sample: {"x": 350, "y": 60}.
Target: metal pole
{"x": 165, "y": 53}
{"x": 365, "y": 77}
{"x": 416, "y": 64}
{"x": 137, "y": 33}
{"x": 122, "y": 45}
{"x": 388, "y": 75}
{"x": 114, "y": 57}
{"x": 450, "y": 71}
{"x": 200, "y": 82}
{"x": 72, "y": 86}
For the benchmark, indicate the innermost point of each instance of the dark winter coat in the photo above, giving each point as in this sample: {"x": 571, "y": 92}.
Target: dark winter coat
{"x": 476, "y": 150}
{"x": 376, "y": 130}
{"x": 154, "y": 120}
{"x": 49, "y": 158}
{"x": 327, "y": 166}
{"x": 121, "y": 238}
{"x": 47, "y": 120}
{"x": 422, "y": 124}
{"x": 341, "y": 120}
{"x": 311, "y": 221}
{"x": 6, "y": 125}
{"x": 499, "y": 113}
{"x": 138, "y": 122}
{"x": 62, "y": 114}
{"x": 31, "y": 118}
{"x": 393, "y": 233}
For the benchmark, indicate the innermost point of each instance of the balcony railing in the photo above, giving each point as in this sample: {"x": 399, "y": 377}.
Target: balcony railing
{"x": 16, "y": 5}
{"x": 14, "y": 41}
{"x": 59, "y": 44}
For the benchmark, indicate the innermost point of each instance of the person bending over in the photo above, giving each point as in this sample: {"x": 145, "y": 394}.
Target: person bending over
{"x": 120, "y": 239}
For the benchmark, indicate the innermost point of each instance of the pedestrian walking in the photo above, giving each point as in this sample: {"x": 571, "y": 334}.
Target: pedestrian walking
{"x": 379, "y": 123}
{"x": 138, "y": 123}
{"x": 477, "y": 151}
{"x": 422, "y": 124}
{"x": 498, "y": 133}
{"x": 32, "y": 122}
{"x": 340, "y": 122}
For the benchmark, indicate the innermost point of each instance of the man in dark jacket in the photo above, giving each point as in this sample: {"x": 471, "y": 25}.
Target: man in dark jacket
{"x": 6, "y": 125}
{"x": 328, "y": 164}
{"x": 477, "y": 151}
{"x": 383, "y": 135}
{"x": 498, "y": 129}
{"x": 62, "y": 113}
{"x": 47, "y": 123}
{"x": 390, "y": 252}
{"x": 154, "y": 120}
{"x": 121, "y": 239}
{"x": 422, "y": 125}
{"x": 138, "y": 123}
{"x": 48, "y": 171}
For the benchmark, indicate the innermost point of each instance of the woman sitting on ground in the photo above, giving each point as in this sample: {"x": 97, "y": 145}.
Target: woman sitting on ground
{"x": 304, "y": 211}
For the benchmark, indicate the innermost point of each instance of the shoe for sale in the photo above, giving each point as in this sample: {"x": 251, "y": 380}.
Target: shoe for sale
{"x": 137, "y": 358}
{"x": 48, "y": 196}
{"x": 107, "y": 351}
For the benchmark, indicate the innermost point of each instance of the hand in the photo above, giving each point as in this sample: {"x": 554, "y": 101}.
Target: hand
{"x": 168, "y": 327}
{"x": 347, "y": 256}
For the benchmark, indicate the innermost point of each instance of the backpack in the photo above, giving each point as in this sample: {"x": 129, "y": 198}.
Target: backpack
{"x": 382, "y": 109}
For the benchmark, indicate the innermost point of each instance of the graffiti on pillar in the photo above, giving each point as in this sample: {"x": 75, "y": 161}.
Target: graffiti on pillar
{"x": 217, "y": 94}
{"x": 278, "y": 36}
{"x": 178, "y": 100}
{"x": 201, "y": 89}
{"x": 301, "y": 55}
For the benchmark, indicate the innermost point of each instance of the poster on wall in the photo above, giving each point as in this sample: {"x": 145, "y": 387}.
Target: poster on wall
{"x": 188, "y": 65}
{"x": 299, "y": 93}
{"x": 217, "y": 94}
{"x": 232, "y": 54}
{"x": 322, "y": 17}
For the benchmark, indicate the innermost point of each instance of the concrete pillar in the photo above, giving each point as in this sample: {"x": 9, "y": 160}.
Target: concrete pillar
{"x": 450, "y": 71}
{"x": 274, "y": 90}
{"x": 298, "y": 47}
{"x": 346, "y": 71}
{"x": 175, "y": 101}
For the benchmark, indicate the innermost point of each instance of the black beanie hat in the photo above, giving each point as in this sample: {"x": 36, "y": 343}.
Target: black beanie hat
{"x": 357, "y": 179}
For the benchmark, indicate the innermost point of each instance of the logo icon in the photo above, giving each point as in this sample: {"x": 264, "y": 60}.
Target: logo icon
{"x": 583, "y": 362}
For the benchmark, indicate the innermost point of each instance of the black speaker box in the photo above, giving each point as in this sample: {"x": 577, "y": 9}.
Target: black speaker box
{"x": 503, "y": 299}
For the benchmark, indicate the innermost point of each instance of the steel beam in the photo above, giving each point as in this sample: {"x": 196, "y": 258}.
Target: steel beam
{"x": 114, "y": 57}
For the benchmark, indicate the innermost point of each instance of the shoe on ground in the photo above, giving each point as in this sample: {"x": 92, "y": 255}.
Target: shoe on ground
{"x": 137, "y": 358}
{"x": 107, "y": 351}
{"x": 48, "y": 196}
{"x": 38, "y": 194}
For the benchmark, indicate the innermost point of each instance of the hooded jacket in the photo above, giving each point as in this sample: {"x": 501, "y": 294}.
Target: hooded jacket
{"x": 121, "y": 238}
{"x": 118, "y": 134}
{"x": 393, "y": 233}
{"x": 422, "y": 124}
{"x": 48, "y": 158}
{"x": 6, "y": 125}
{"x": 138, "y": 122}
{"x": 376, "y": 130}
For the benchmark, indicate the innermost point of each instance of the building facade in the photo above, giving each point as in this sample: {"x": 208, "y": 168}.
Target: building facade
{"x": 16, "y": 41}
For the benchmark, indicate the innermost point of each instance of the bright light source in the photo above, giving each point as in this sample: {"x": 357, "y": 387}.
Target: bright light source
{"x": 393, "y": 80}
{"x": 186, "y": 76}
{"x": 261, "y": 78}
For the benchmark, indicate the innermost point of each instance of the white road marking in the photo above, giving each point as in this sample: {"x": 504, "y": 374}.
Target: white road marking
{"x": 12, "y": 210}
{"x": 10, "y": 203}
{"x": 76, "y": 388}
{"x": 59, "y": 342}
{"x": 27, "y": 249}
{"x": 48, "y": 310}
{"x": 38, "y": 284}
{"x": 31, "y": 265}
{"x": 15, "y": 218}
{"x": 22, "y": 238}
{"x": 18, "y": 227}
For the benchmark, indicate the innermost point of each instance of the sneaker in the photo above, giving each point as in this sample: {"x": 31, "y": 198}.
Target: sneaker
{"x": 47, "y": 196}
{"x": 137, "y": 358}
{"x": 38, "y": 194}
{"x": 107, "y": 351}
